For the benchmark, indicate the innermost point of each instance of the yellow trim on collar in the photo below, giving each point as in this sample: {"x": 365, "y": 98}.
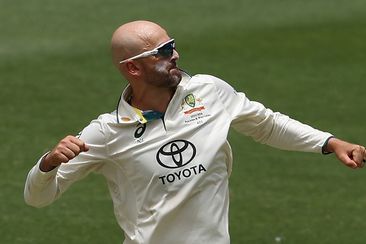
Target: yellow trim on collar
{"x": 139, "y": 113}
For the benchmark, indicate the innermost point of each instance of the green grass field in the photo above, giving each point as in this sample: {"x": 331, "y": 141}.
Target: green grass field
{"x": 304, "y": 58}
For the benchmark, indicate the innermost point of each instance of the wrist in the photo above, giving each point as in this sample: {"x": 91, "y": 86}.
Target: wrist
{"x": 328, "y": 145}
{"x": 44, "y": 164}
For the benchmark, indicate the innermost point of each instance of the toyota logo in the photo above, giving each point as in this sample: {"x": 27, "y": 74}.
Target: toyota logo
{"x": 176, "y": 154}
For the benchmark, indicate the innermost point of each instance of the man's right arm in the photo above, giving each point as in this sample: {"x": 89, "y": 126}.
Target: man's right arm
{"x": 69, "y": 161}
{"x": 41, "y": 185}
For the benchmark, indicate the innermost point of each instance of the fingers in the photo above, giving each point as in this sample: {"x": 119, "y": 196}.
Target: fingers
{"x": 356, "y": 157}
{"x": 67, "y": 149}
{"x": 348, "y": 161}
{"x": 363, "y": 155}
{"x": 81, "y": 145}
{"x": 351, "y": 155}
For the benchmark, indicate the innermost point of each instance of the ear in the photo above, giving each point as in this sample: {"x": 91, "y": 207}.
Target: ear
{"x": 132, "y": 68}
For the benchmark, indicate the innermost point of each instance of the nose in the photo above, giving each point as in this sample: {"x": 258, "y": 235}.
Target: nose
{"x": 175, "y": 55}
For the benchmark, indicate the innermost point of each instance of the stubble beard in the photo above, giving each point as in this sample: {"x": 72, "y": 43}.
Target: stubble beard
{"x": 169, "y": 76}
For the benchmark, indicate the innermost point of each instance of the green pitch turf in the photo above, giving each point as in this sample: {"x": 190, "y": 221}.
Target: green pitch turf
{"x": 306, "y": 59}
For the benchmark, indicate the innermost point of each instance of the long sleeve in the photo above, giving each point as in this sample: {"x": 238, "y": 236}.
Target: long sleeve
{"x": 43, "y": 188}
{"x": 265, "y": 126}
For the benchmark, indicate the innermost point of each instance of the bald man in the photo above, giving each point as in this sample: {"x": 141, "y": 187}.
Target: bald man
{"x": 164, "y": 151}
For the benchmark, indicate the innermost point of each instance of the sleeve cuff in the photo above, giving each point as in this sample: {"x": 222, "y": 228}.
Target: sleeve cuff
{"x": 324, "y": 147}
{"x": 41, "y": 175}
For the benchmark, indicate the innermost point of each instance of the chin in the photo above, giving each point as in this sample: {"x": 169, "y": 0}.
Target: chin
{"x": 176, "y": 75}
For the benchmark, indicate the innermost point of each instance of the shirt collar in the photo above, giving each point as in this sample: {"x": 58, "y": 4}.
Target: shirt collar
{"x": 127, "y": 114}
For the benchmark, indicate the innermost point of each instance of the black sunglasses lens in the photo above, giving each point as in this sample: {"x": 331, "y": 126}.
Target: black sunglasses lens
{"x": 166, "y": 50}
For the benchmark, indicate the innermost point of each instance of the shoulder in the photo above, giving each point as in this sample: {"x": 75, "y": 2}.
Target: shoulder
{"x": 206, "y": 79}
{"x": 218, "y": 84}
{"x": 97, "y": 127}
{"x": 209, "y": 79}
{"x": 104, "y": 119}
{"x": 201, "y": 80}
{"x": 107, "y": 118}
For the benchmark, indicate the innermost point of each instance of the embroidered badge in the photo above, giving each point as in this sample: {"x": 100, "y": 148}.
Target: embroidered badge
{"x": 194, "y": 110}
{"x": 190, "y": 100}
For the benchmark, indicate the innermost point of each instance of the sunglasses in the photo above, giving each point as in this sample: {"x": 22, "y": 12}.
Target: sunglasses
{"x": 164, "y": 50}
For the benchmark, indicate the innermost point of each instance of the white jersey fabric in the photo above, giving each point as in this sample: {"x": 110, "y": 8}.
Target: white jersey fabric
{"x": 168, "y": 178}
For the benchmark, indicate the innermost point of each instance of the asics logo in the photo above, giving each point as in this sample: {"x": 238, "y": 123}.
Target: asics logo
{"x": 140, "y": 130}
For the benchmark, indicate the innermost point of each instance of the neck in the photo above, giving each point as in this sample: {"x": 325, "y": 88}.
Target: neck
{"x": 152, "y": 99}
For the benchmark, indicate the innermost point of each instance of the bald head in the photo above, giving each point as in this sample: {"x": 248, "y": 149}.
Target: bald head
{"x": 135, "y": 37}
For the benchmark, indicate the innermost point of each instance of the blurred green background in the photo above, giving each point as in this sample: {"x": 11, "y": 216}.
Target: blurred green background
{"x": 304, "y": 58}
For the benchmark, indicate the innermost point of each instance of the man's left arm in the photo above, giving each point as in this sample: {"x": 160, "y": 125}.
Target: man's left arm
{"x": 280, "y": 131}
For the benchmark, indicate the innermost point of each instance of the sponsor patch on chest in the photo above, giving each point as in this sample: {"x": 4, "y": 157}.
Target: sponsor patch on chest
{"x": 178, "y": 156}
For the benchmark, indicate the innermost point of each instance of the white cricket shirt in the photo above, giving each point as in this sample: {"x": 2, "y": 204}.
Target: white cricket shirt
{"x": 168, "y": 178}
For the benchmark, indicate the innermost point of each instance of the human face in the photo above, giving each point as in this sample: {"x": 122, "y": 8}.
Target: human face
{"x": 162, "y": 71}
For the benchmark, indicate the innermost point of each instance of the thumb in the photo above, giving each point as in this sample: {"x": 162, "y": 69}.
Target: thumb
{"x": 84, "y": 147}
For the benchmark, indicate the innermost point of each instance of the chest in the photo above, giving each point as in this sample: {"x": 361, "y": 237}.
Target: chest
{"x": 183, "y": 147}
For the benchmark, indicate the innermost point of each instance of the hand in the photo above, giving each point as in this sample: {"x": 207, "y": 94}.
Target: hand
{"x": 67, "y": 149}
{"x": 351, "y": 155}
